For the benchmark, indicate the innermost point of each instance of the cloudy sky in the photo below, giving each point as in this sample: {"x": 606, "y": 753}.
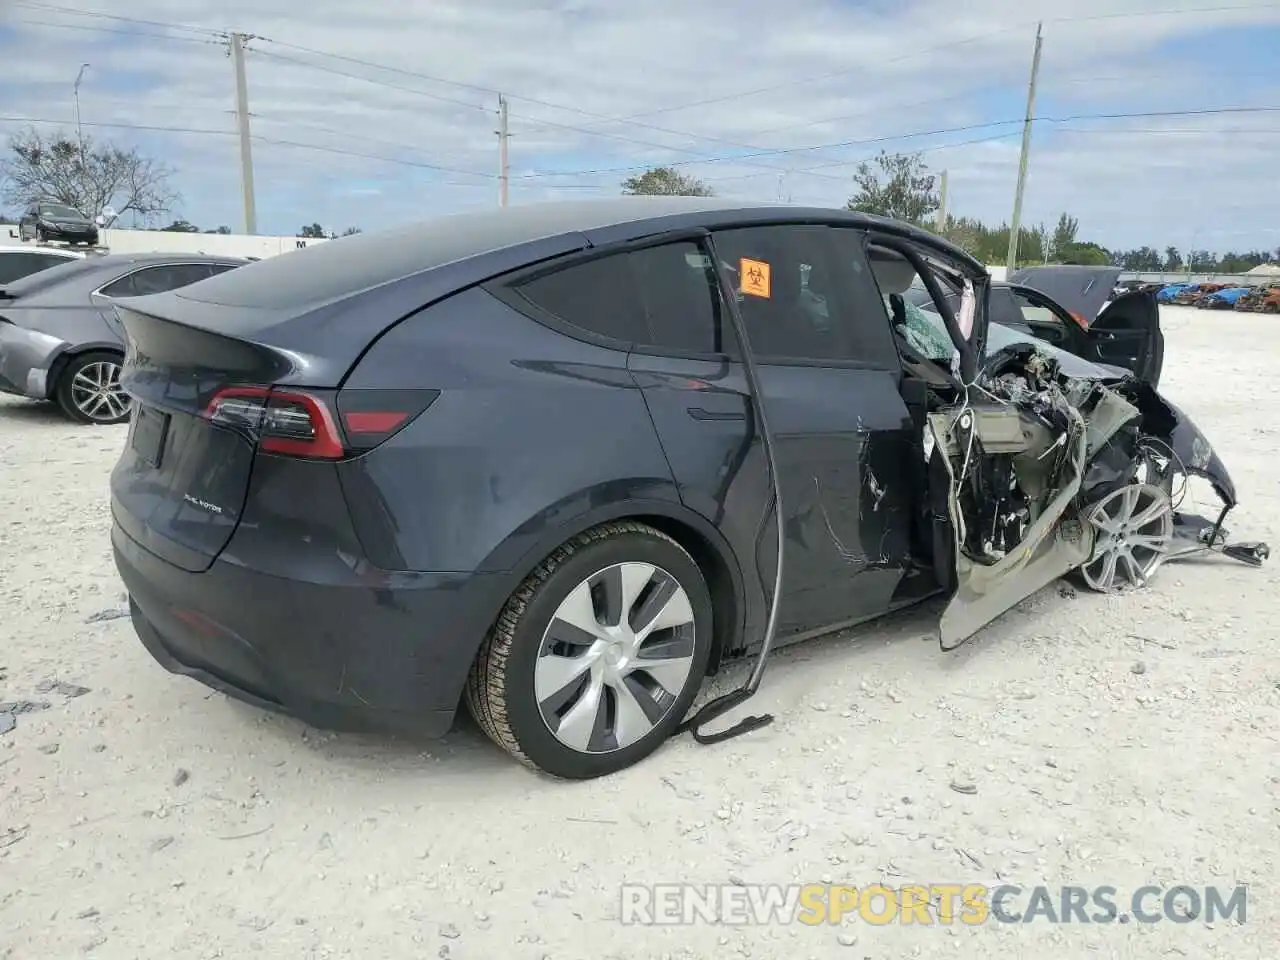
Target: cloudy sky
{"x": 1160, "y": 118}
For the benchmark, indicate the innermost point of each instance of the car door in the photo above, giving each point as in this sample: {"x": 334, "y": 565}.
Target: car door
{"x": 829, "y": 376}
{"x": 1126, "y": 334}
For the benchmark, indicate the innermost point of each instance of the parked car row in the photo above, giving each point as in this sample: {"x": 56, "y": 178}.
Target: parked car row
{"x": 1256, "y": 298}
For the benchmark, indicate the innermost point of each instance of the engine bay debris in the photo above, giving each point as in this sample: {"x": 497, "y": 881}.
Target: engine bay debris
{"x": 1049, "y": 474}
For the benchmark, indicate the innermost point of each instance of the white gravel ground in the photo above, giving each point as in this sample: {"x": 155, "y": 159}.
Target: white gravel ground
{"x": 1118, "y": 741}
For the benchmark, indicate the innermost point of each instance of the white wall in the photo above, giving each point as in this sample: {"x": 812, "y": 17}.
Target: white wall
{"x": 155, "y": 241}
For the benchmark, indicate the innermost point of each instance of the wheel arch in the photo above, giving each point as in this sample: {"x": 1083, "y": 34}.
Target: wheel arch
{"x": 59, "y": 365}
{"x": 693, "y": 532}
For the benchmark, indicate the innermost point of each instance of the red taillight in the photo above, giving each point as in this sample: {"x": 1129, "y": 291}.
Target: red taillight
{"x": 288, "y": 422}
{"x": 303, "y": 423}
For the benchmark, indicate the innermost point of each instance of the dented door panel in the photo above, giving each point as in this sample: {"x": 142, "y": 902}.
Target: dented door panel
{"x": 843, "y": 439}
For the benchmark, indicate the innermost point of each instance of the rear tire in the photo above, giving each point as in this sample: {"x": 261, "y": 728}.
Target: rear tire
{"x": 564, "y": 691}
{"x": 88, "y": 390}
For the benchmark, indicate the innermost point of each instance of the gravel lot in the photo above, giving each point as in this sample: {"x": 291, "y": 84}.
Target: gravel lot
{"x": 1119, "y": 741}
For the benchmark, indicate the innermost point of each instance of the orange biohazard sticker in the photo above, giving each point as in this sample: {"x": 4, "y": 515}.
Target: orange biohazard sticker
{"x": 755, "y": 277}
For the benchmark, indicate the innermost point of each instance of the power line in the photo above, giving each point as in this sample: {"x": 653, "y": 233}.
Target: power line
{"x": 355, "y": 76}
{"x": 937, "y": 49}
{"x": 1167, "y": 12}
{"x": 908, "y": 136}
{"x": 34, "y": 5}
{"x": 535, "y": 121}
{"x": 633, "y": 119}
{"x": 1149, "y": 131}
{"x": 206, "y": 131}
{"x": 121, "y": 33}
{"x": 925, "y": 150}
{"x": 605, "y": 120}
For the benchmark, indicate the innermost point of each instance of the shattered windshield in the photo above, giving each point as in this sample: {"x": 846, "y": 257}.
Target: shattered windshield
{"x": 925, "y": 332}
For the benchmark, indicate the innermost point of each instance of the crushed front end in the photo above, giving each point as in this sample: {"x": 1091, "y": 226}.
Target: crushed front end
{"x": 1050, "y": 474}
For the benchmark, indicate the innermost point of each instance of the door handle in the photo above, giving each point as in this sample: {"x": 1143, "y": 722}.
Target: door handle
{"x": 700, "y": 413}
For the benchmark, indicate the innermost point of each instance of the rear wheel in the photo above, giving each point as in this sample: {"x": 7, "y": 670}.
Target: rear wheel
{"x": 89, "y": 389}
{"x": 597, "y": 656}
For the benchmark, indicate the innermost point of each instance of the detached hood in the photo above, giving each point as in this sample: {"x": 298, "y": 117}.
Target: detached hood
{"x": 1082, "y": 290}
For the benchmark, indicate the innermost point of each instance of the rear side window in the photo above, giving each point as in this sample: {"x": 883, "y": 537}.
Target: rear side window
{"x": 599, "y": 296}
{"x": 15, "y": 266}
{"x": 158, "y": 279}
{"x": 680, "y": 292}
{"x": 665, "y": 297}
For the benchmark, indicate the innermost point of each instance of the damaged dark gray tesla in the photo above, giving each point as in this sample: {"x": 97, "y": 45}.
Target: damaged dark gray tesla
{"x": 559, "y": 462}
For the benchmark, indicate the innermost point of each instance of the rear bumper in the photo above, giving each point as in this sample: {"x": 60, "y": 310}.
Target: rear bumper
{"x": 386, "y": 655}
{"x": 26, "y": 356}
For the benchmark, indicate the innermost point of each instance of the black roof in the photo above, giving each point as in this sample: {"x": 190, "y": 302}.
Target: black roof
{"x": 322, "y": 305}
{"x": 313, "y": 276}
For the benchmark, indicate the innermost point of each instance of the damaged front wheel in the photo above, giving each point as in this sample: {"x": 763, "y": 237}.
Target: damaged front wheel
{"x": 1133, "y": 530}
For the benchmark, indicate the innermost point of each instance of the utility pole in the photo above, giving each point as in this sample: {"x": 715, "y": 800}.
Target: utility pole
{"x": 76, "y": 93}
{"x": 942, "y": 202}
{"x": 238, "y": 41}
{"x": 503, "y": 136}
{"x": 1015, "y": 225}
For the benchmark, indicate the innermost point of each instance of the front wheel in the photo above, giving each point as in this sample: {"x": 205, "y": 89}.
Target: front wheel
{"x": 89, "y": 390}
{"x": 597, "y": 656}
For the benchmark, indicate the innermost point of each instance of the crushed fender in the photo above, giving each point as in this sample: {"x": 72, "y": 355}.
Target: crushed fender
{"x": 1048, "y": 474}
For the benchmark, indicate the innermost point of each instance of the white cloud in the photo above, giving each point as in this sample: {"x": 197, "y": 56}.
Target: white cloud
{"x": 869, "y": 71}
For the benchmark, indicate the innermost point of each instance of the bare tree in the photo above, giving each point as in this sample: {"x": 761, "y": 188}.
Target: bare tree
{"x": 87, "y": 175}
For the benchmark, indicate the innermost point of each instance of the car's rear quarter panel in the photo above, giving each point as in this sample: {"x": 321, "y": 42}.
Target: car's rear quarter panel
{"x": 532, "y": 429}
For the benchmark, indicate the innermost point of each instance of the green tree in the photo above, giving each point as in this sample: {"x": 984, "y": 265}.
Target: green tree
{"x": 1064, "y": 235}
{"x": 899, "y": 185}
{"x": 1087, "y": 254}
{"x": 313, "y": 231}
{"x": 665, "y": 182}
{"x": 180, "y": 226}
{"x": 1172, "y": 259}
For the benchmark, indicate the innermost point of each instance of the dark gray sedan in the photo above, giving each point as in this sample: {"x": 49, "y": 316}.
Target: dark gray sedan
{"x": 59, "y": 336}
